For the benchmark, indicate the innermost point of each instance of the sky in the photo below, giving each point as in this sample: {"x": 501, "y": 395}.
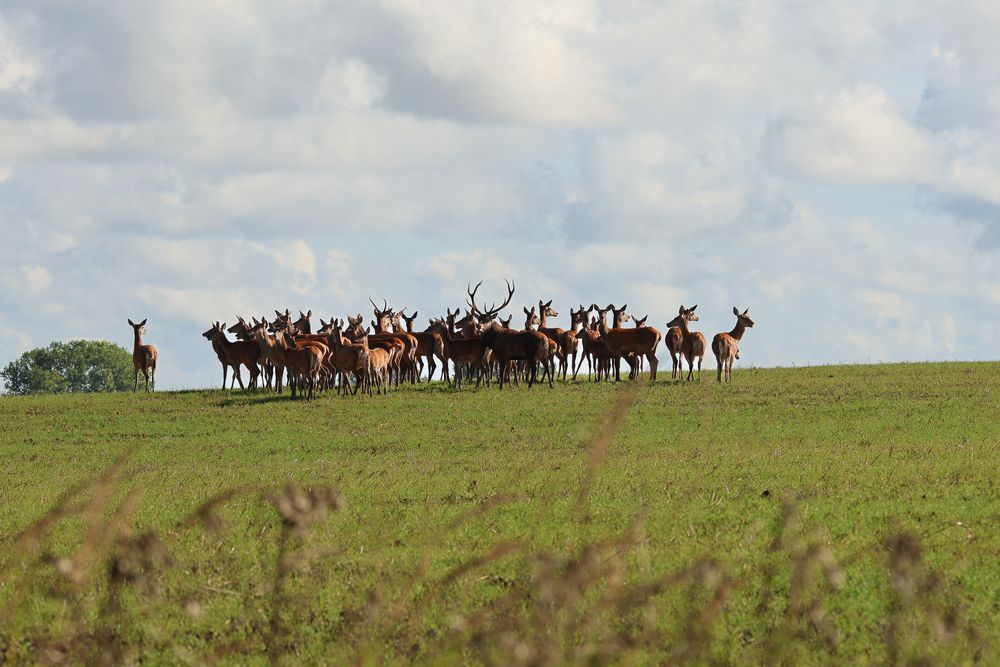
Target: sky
{"x": 833, "y": 167}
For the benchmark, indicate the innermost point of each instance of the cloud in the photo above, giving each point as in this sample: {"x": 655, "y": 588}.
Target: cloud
{"x": 859, "y": 136}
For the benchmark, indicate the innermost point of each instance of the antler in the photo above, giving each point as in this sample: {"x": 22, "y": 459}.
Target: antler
{"x": 374, "y": 305}
{"x": 472, "y": 296}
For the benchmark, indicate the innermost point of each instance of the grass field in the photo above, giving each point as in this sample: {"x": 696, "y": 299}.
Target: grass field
{"x": 815, "y": 515}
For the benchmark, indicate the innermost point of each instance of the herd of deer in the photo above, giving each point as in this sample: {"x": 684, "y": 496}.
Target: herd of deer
{"x": 480, "y": 345}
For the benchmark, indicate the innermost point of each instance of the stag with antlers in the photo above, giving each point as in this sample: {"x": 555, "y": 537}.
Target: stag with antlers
{"x": 508, "y": 346}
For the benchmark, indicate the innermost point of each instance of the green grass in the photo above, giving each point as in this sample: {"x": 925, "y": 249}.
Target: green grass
{"x": 863, "y": 452}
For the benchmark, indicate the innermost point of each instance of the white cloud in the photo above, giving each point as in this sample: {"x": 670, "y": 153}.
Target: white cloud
{"x": 858, "y": 136}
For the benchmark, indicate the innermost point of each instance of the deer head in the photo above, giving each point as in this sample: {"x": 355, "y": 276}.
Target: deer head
{"x": 488, "y": 315}
{"x": 545, "y": 311}
{"x": 505, "y": 323}
{"x": 619, "y": 315}
{"x": 139, "y": 328}
{"x": 530, "y": 318}
{"x": 383, "y": 316}
{"x": 741, "y": 318}
{"x": 409, "y": 320}
{"x": 640, "y": 323}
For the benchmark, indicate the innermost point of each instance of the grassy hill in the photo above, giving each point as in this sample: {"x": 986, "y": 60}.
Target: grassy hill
{"x": 812, "y": 515}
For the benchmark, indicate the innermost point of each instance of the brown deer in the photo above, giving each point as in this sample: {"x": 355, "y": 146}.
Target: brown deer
{"x": 235, "y": 354}
{"x": 620, "y": 342}
{"x": 376, "y": 369}
{"x": 595, "y": 351}
{"x": 243, "y": 331}
{"x": 674, "y": 340}
{"x": 349, "y": 358}
{"x": 726, "y": 346}
{"x": 143, "y": 357}
{"x": 692, "y": 342}
{"x": 570, "y": 346}
{"x": 270, "y": 351}
{"x": 303, "y": 364}
{"x": 383, "y": 322}
{"x": 555, "y": 334}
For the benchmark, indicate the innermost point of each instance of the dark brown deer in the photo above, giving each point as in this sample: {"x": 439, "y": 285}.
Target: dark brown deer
{"x": 143, "y": 357}
{"x": 429, "y": 344}
{"x": 726, "y": 346}
{"x": 508, "y": 346}
{"x": 693, "y": 342}
{"x": 465, "y": 352}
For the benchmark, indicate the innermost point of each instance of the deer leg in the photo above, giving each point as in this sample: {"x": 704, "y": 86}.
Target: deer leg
{"x": 136, "y": 386}
{"x": 146, "y": 375}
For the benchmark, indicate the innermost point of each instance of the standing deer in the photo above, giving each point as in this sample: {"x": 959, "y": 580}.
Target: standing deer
{"x": 507, "y": 346}
{"x": 235, "y": 354}
{"x": 621, "y": 342}
{"x": 302, "y": 363}
{"x": 693, "y": 342}
{"x": 674, "y": 340}
{"x": 429, "y": 344}
{"x": 726, "y": 346}
{"x": 143, "y": 357}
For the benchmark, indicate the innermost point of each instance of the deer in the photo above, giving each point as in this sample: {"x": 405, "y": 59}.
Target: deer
{"x": 507, "y": 346}
{"x": 555, "y": 334}
{"x": 674, "y": 340}
{"x": 595, "y": 351}
{"x": 620, "y": 341}
{"x": 383, "y": 321}
{"x": 726, "y": 346}
{"x": 692, "y": 342}
{"x": 349, "y": 358}
{"x": 242, "y": 330}
{"x": 465, "y": 352}
{"x": 303, "y": 364}
{"x": 271, "y": 351}
{"x": 401, "y": 347}
{"x": 143, "y": 357}
{"x": 569, "y": 340}
{"x": 429, "y": 344}
{"x": 376, "y": 366}
{"x": 235, "y": 354}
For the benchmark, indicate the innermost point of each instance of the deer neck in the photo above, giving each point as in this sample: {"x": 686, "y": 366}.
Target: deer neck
{"x": 617, "y": 321}
{"x": 738, "y": 330}
{"x": 136, "y": 341}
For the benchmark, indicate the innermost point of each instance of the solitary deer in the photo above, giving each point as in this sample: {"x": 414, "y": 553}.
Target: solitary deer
{"x": 693, "y": 342}
{"x": 726, "y": 346}
{"x": 143, "y": 357}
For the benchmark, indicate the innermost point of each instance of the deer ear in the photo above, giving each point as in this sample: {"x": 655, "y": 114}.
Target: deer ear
{"x": 736, "y": 311}
{"x": 143, "y": 323}
{"x": 223, "y": 325}
{"x": 693, "y": 307}
{"x": 131, "y": 323}
{"x": 747, "y": 310}
{"x": 526, "y": 310}
{"x": 680, "y": 311}
{"x": 309, "y": 313}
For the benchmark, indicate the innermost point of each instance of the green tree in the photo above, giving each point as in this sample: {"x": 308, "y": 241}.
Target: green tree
{"x": 79, "y": 365}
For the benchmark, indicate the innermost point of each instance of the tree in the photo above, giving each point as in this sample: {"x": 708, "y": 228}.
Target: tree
{"x": 76, "y": 366}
